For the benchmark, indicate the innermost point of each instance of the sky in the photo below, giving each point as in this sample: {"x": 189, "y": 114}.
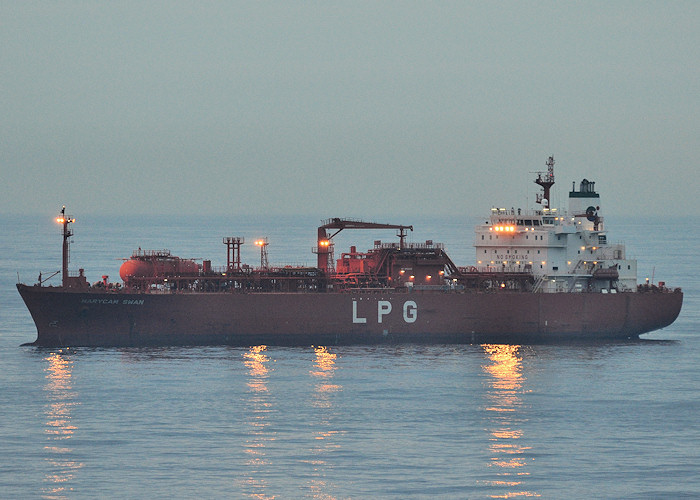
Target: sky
{"x": 346, "y": 109}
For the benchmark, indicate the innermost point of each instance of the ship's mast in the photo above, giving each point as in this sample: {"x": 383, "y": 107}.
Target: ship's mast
{"x": 65, "y": 221}
{"x": 546, "y": 180}
{"x": 233, "y": 253}
{"x": 263, "y": 243}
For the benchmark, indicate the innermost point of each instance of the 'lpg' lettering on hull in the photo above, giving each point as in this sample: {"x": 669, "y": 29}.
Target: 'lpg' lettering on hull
{"x": 355, "y": 319}
{"x": 384, "y": 308}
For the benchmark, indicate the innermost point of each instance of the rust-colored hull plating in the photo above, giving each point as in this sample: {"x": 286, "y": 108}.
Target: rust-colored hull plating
{"x": 97, "y": 318}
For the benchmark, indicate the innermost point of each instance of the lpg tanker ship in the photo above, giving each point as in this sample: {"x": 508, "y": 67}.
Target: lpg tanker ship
{"x": 540, "y": 275}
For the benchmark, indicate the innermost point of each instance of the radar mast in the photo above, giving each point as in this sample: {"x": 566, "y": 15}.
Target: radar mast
{"x": 546, "y": 180}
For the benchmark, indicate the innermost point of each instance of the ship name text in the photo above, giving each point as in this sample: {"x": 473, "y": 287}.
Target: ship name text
{"x": 128, "y": 302}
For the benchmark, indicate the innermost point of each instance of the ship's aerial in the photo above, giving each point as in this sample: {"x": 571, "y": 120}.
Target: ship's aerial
{"x": 540, "y": 275}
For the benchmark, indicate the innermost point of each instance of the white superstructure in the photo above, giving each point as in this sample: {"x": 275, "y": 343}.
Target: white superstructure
{"x": 566, "y": 251}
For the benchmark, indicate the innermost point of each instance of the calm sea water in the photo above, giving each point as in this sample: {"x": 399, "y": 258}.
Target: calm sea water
{"x": 607, "y": 420}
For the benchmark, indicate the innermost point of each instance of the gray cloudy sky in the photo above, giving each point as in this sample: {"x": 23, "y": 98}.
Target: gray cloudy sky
{"x": 345, "y": 108}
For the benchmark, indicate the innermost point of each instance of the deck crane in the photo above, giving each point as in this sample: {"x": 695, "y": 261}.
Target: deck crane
{"x": 324, "y": 249}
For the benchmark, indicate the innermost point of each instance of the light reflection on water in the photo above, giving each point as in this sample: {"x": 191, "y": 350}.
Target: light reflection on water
{"x": 324, "y": 432}
{"x": 61, "y": 399}
{"x": 258, "y": 407}
{"x": 508, "y": 454}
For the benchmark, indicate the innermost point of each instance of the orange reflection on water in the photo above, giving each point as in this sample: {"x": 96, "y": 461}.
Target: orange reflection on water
{"x": 508, "y": 454}
{"x": 324, "y": 368}
{"x": 259, "y": 406}
{"x": 255, "y": 361}
{"x": 61, "y": 399}
{"x": 324, "y": 433}
{"x": 324, "y": 363}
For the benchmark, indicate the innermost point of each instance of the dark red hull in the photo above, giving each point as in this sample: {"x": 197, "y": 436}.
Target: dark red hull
{"x": 97, "y": 318}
